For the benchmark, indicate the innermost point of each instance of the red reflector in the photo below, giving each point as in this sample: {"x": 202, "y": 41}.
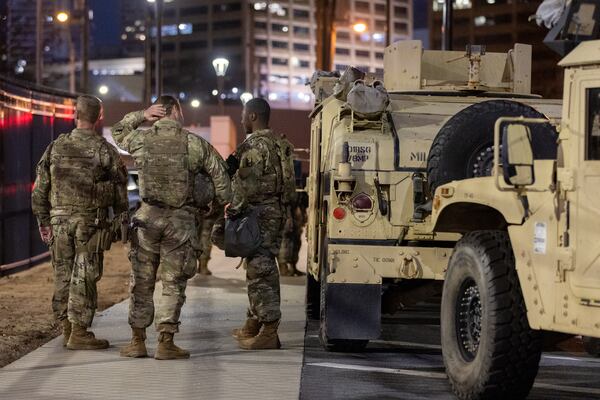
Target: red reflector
{"x": 339, "y": 213}
{"x": 362, "y": 202}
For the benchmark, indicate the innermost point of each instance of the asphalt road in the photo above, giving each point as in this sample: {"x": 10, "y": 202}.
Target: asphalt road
{"x": 407, "y": 364}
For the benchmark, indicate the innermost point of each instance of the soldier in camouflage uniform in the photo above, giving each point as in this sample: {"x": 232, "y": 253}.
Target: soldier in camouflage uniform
{"x": 258, "y": 183}
{"x": 165, "y": 231}
{"x": 205, "y": 225}
{"x": 79, "y": 177}
{"x": 292, "y": 237}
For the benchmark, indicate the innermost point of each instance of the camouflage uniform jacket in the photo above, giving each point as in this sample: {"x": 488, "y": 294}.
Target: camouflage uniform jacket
{"x": 258, "y": 179}
{"x": 112, "y": 187}
{"x": 202, "y": 156}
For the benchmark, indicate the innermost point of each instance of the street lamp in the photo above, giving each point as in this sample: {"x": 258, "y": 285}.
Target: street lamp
{"x": 62, "y": 17}
{"x": 195, "y": 103}
{"x": 220, "y": 65}
{"x": 246, "y": 97}
{"x": 103, "y": 89}
{"x": 359, "y": 27}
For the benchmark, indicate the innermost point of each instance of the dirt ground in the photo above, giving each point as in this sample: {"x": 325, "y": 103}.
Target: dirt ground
{"x": 26, "y": 320}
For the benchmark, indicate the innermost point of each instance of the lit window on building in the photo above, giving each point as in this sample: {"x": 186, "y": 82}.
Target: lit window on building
{"x": 185, "y": 29}
{"x": 262, "y": 6}
{"x": 379, "y": 37}
{"x": 438, "y": 5}
{"x": 277, "y": 9}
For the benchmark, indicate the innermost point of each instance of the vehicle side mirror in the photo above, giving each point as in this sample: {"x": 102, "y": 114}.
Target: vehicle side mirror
{"x": 517, "y": 155}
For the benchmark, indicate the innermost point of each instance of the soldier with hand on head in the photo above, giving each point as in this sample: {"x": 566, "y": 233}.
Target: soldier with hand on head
{"x": 79, "y": 177}
{"x": 258, "y": 184}
{"x": 165, "y": 231}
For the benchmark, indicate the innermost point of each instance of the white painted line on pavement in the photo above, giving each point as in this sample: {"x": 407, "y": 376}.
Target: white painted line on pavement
{"x": 580, "y": 359}
{"x": 408, "y": 344}
{"x": 409, "y": 372}
{"x": 440, "y": 375}
{"x": 573, "y": 389}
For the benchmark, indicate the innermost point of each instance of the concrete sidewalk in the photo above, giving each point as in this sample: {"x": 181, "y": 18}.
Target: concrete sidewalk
{"x": 217, "y": 369}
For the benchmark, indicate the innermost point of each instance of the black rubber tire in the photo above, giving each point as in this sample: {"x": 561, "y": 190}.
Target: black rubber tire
{"x": 505, "y": 362}
{"x": 313, "y": 294}
{"x": 337, "y": 345}
{"x": 470, "y": 134}
{"x": 591, "y": 346}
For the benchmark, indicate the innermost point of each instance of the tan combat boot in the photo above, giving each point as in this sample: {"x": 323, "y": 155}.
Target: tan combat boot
{"x": 137, "y": 347}
{"x": 203, "y": 267}
{"x": 249, "y": 330}
{"x": 167, "y": 350}
{"x": 267, "y": 338}
{"x": 284, "y": 270}
{"x": 66, "y": 324}
{"x": 82, "y": 339}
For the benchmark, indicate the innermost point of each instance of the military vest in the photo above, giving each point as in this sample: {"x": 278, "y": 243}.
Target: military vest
{"x": 77, "y": 177}
{"x": 271, "y": 182}
{"x": 164, "y": 174}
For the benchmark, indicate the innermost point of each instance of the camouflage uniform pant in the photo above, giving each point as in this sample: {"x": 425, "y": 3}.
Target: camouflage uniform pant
{"x": 262, "y": 274}
{"x": 204, "y": 231}
{"x": 290, "y": 247}
{"x": 77, "y": 268}
{"x": 165, "y": 238}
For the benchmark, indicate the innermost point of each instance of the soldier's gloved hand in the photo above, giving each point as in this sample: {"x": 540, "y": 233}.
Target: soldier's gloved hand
{"x": 46, "y": 234}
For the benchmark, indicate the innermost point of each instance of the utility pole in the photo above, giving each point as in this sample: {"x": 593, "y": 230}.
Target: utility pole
{"x": 326, "y": 34}
{"x": 85, "y": 44}
{"x": 447, "y": 25}
{"x": 388, "y": 22}
{"x": 158, "y": 52}
{"x": 39, "y": 38}
{"x": 148, "y": 58}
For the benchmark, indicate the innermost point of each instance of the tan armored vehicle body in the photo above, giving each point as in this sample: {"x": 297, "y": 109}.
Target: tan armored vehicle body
{"x": 412, "y": 195}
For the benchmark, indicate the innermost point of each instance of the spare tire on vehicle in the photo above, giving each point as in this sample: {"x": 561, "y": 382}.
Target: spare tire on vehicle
{"x": 464, "y": 147}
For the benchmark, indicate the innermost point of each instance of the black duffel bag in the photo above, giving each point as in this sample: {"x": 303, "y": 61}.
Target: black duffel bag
{"x": 242, "y": 234}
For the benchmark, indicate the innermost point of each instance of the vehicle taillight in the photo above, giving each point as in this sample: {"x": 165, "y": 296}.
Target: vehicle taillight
{"x": 362, "y": 202}
{"x": 339, "y": 213}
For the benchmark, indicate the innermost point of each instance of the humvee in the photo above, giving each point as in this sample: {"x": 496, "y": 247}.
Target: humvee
{"x": 466, "y": 178}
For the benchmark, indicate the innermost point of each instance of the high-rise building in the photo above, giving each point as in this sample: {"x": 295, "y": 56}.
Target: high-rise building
{"x": 20, "y": 29}
{"x": 498, "y": 24}
{"x": 271, "y": 45}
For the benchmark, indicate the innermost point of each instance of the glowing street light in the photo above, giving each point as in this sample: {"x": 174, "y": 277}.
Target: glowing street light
{"x": 103, "y": 89}
{"x": 220, "y": 65}
{"x": 246, "y": 97}
{"x": 195, "y": 103}
{"x": 62, "y": 17}
{"x": 359, "y": 27}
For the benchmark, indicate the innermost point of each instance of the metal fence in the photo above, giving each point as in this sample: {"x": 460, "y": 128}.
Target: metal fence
{"x": 30, "y": 118}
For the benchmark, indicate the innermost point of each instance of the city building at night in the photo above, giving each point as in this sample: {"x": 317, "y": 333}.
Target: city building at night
{"x": 271, "y": 46}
